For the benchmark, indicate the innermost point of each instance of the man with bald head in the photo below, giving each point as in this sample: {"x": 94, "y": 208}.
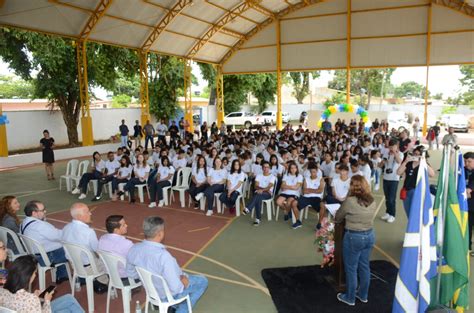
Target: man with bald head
{"x": 79, "y": 232}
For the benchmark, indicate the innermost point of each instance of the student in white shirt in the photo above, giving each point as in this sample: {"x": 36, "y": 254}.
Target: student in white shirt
{"x": 338, "y": 192}
{"x": 162, "y": 179}
{"x": 313, "y": 189}
{"x": 264, "y": 185}
{"x": 235, "y": 181}
{"x": 328, "y": 165}
{"x": 141, "y": 171}
{"x": 365, "y": 169}
{"x": 198, "y": 180}
{"x": 123, "y": 175}
{"x": 290, "y": 189}
{"x": 111, "y": 169}
{"x": 179, "y": 161}
{"x": 277, "y": 170}
{"x": 98, "y": 168}
{"x": 376, "y": 167}
{"x": 216, "y": 178}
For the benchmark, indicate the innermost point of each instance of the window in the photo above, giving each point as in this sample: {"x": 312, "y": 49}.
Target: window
{"x": 237, "y": 114}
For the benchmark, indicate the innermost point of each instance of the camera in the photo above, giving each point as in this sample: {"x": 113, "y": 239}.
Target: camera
{"x": 388, "y": 171}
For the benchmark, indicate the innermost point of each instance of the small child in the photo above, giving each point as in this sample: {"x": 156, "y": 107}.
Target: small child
{"x": 375, "y": 158}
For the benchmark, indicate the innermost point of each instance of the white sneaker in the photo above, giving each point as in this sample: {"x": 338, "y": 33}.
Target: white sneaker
{"x": 82, "y": 196}
{"x": 385, "y": 217}
{"x": 391, "y": 219}
{"x": 152, "y": 205}
{"x": 377, "y": 187}
{"x": 160, "y": 204}
{"x": 76, "y": 191}
{"x": 209, "y": 213}
{"x": 199, "y": 196}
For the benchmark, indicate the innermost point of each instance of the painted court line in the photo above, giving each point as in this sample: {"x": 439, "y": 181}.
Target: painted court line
{"x": 227, "y": 267}
{"x": 223, "y": 279}
{"x": 37, "y": 192}
{"x": 199, "y": 229}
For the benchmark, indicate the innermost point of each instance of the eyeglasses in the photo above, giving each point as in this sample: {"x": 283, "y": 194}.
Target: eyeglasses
{"x": 43, "y": 210}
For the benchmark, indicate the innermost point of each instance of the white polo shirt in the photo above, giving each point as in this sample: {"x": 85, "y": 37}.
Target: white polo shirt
{"x": 292, "y": 180}
{"x": 164, "y": 171}
{"x": 125, "y": 171}
{"x": 217, "y": 175}
{"x": 313, "y": 184}
{"x": 234, "y": 180}
{"x": 199, "y": 175}
{"x": 111, "y": 166}
{"x": 99, "y": 166}
{"x": 341, "y": 187}
{"x": 141, "y": 171}
{"x": 265, "y": 181}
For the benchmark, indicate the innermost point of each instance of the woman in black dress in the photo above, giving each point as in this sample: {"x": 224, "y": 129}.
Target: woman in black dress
{"x": 47, "y": 144}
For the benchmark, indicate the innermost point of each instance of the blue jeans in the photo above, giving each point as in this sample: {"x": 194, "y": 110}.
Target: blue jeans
{"x": 390, "y": 188}
{"x": 56, "y": 256}
{"x": 407, "y": 201}
{"x": 86, "y": 178}
{"x": 256, "y": 203}
{"x": 356, "y": 249}
{"x": 376, "y": 174}
{"x": 149, "y": 138}
{"x": 66, "y": 304}
{"x": 209, "y": 193}
{"x": 229, "y": 201}
{"x": 123, "y": 141}
{"x": 197, "y": 286}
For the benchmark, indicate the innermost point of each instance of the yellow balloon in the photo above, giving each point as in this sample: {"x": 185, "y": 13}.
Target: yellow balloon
{"x": 320, "y": 123}
{"x": 351, "y": 108}
{"x": 365, "y": 119}
{"x": 332, "y": 109}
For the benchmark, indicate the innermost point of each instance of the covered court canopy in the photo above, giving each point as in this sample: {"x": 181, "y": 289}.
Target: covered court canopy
{"x": 259, "y": 35}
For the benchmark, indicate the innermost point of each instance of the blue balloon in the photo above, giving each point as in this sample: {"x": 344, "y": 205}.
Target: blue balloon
{"x": 341, "y": 107}
{"x": 324, "y": 116}
{"x": 360, "y": 110}
{"x": 4, "y": 120}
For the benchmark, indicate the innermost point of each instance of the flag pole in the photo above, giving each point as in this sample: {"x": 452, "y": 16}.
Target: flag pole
{"x": 440, "y": 241}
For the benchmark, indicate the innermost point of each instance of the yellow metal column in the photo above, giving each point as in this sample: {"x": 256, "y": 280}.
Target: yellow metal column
{"x": 428, "y": 60}
{"x": 348, "y": 54}
{"x": 3, "y": 138}
{"x": 86, "y": 120}
{"x": 144, "y": 100}
{"x": 188, "y": 104}
{"x": 219, "y": 95}
{"x": 279, "y": 122}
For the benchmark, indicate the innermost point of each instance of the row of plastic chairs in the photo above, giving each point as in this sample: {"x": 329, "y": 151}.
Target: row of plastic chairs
{"x": 26, "y": 245}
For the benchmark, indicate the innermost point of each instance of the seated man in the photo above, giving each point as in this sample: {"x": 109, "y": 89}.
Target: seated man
{"x": 79, "y": 232}
{"x": 35, "y": 227}
{"x": 152, "y": 255}
{"x": 115, "y": 241}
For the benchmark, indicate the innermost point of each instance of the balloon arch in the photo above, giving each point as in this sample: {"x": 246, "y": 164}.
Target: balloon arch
{"x": 344, "y": 108}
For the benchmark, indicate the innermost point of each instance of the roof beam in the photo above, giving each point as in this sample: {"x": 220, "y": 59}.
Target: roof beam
{"x": 458, "y": 5}
{"x": 228, "y": 11}
{"x": 165, "y": 21}
{"x": 228, "y": 17}
{"x": 255, "y": 4}
{"x": 94, "y": 18}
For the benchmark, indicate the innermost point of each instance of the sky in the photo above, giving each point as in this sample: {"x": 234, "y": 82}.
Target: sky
{"x": 442, "y": 79}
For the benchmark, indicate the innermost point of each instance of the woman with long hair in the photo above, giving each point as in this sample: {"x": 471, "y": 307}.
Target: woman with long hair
{"x": 162, "y": 179}
{"x": 47, "y": 145}
{"x": 141, "y": 170}
{"x": 123, "y": 176}
{"x": 216, "y": 179}
{"x": 198, "y": 179}
{"x": 9, "y": 206}
{"x": 358, "y": 211}
{"x": 97, "y": 170}
{"x": 290, "y": 189}
{"x": 235, "y": 182}
{"x": 15, "y": 296}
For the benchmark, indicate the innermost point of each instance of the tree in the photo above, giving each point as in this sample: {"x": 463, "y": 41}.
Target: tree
{"x": 54, "y": 61}
{"x": 209, "y": 73}
{"x": 264, "y": 88}
{"x": 337, "y": 98}
{"x": 367, "y": 81}
{"x": 300, "y": 82}
{"x": 467, "y": 81}
{"x": 15, "y": 87}
{"x": 121, "y": 101}
{"x": 127, "y": 85}
{"x": 438, "y": 96}
{"x": 409, "y": 89}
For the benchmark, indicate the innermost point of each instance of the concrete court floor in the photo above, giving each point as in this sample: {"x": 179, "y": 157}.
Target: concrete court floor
{"x": 234, "y": 258}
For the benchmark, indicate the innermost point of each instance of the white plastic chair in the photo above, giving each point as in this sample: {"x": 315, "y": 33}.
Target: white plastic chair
{"x": 269, "y": 205}
{"x": 182, "y": 184}
{"x": 71, "y": 170}
{"x": 6, "y": 310}
{"x": 152, "y": 295}
{"x": 74, "y": 253}
{"x": 140, "y": 192}
{"x": 240, "y": 200}
{"x": 34, "y": 247}
{"x": 112, "y": 262}
{"x": 120, "y": 188}
{"x": 81, "y": 170}
{"x": 5, "y": 233}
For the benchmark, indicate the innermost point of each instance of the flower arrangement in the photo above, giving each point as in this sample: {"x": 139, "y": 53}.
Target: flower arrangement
{"x": 325, "y": 242}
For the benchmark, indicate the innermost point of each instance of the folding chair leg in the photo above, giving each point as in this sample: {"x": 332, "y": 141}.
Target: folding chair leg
{"x": 181, "y": 198}
{"x": 140, "y": 194}
{"x": 41, "y": 278}
{"x": 109, "y": 295}
{"x": 90, "y": 294}
{"x": 126, "y": 296}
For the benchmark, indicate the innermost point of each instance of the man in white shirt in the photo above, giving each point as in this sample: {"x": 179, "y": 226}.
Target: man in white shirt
{"x": 391, "y": 179}
{"x": 161, "y": 130}
{"x": 35, "y": 227}
{"x": 79, "y": 232}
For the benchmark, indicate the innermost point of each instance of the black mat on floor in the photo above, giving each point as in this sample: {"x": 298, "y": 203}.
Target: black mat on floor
{"x": 303, "y": 289}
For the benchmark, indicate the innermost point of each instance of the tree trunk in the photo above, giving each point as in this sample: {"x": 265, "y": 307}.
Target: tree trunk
{"x": 70, "y": 109}
{"x": 213, "y": 97}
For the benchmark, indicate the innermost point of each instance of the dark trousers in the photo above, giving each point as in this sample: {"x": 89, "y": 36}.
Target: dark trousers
{"x": 86, "y": 178}
{"x": 130, "y": 186}
{"x": 116, "y": 181}
{"x": 256, "y": 202}
{"x": 471, "y": 225}
{"x": 229, "y": 201}
{"x": 152, "y": 176}
{"x": 104, "y": 180}
{"x": 193, "y": 190}
{"x": 149, "y": 138}
{"x": 156, "y": 189}
{"x": 390, "y": 188}
{"x": 56, "y": 256}
{"x": 209, "y": 193}
{"x": 313, "y": 202}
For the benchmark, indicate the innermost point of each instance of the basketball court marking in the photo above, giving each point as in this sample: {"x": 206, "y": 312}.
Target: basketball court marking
{"x": 254, "y": 283}
{"x": 199, "y": 229}
{"x": 28, "y": 193}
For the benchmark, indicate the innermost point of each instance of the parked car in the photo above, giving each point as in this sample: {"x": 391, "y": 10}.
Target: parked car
{"x": 270, "y": 117}
{"x": 246, "y": 119}
{"x": 459, "y": 122}
{"x": 398, "y": 120}
{"x": 303, "y": 117}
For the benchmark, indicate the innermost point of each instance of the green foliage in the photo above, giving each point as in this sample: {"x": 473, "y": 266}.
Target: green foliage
{"x": 53, "y": 59}
{"x": 14, "y": 87}
{"x": 300, "y": 83}
{"x": 337, "y": 98}
{"x": 438, "y": 96}
{"x": 369, "y": 81}
{"x": 209, "y": 73}
{"x": 410, "y": 89}
{"x": 121, "y": 101}
{"x": 467, "y": 81}
{"x": 264, "y": 88}
{"x": 448, "y": 110}
{"x": 166, "y": 83}
{"x": 127, "y": 85}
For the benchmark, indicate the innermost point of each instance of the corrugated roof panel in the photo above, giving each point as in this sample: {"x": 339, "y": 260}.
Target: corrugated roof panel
{"x": 188, "y": 26}
{"x": 120, "y": 32}
{"x": 204, "y": 11}
{"x": 224, "y": 39}
{"x": 211, "y": 52}
{"x": 240, "y": 25}
{"x": 173, "y": 44}
{"x": 136, "y": 10}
